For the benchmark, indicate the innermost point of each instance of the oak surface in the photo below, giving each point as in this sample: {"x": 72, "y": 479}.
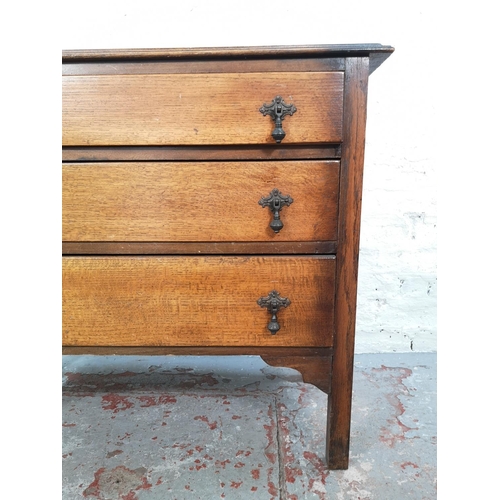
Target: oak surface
{"x": 199, "y": 109}
{"x": 198, "y": 201}
{"x": 196, "y": 301}
{"x": 351, "y": 186}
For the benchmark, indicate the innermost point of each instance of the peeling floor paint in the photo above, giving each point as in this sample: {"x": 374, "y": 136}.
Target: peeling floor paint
{"x": 139, "y": 428}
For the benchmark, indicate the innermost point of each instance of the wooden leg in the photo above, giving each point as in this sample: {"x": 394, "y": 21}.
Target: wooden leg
{"x": 351, "y": 186}
{"x": 338, "y": 427}
{"x": 317, "y": 370}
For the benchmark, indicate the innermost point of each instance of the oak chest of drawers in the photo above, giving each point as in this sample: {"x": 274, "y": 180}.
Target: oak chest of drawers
{"x": 211, "y": 205}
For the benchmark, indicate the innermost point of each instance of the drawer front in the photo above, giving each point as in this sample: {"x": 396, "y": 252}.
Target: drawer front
{"x": 199, "y": 109}
{"x": 196, "y": 201}
{"x": 196, "y": 301}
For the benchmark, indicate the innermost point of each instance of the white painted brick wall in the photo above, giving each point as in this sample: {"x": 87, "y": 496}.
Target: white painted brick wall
{"x": 397, "y": 273}
{"x": 397, "y": 266}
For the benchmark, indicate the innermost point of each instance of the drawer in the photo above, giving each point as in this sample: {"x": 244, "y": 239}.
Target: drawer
{"x": 196, "y": 301}
{"x": 199, "y": 109}
{"x": 199, "y": 201}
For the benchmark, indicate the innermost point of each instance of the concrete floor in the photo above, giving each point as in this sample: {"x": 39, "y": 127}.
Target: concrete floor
{"x": 151, "y": 428}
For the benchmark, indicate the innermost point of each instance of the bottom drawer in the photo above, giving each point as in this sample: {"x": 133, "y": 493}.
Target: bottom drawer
{"x": 196, "y": 301}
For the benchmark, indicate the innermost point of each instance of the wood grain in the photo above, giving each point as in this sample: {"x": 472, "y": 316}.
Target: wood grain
{"x": 196, "y": 301}
{"x": 199, "y": 109}
{"x": 198, "y": 201}
{"x": 351, "y": 184}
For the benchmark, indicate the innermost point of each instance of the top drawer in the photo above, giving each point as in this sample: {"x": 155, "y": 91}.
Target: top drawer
{"x": 199, "y": 109}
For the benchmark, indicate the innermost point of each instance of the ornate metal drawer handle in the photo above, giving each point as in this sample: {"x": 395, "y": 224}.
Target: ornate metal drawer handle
{"x": 273, "y": 302}
{"x": 276, "y": 201}
{"x": 278, "y": 110}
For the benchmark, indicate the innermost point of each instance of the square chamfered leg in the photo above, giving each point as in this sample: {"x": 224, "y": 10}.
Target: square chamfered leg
{"x": 351, "y": 184}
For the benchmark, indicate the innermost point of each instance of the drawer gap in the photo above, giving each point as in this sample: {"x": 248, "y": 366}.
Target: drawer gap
{"x": 199, "y": 248}
{"x": 194, "y": 153}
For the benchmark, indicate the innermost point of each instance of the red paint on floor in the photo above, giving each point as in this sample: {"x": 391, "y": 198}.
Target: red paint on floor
{"x": 119, "y": 482}
{"x": 271, "y": 436}
{"x": 271, "y": 488}
{"x": 404, "y": 465}
{"x": 199, "y": 380}
{"x": 320, "y": 470}
{"x": 397, "y": 376}
{"x": 223, "y": 463}
{"x": 211, "y": 425}
{"x": 287, "y": 456}
{"x": 116, "y": 403}
{"x": 148, "y": 401}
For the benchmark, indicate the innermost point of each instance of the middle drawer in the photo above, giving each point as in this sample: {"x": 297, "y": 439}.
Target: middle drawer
{"x": 199, "y": 201}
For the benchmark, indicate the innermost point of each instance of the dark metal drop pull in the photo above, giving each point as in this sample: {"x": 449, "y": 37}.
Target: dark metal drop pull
{"x": 273, "y": 302}
{"x": 278, "y": 110}
{"x": 276, "y": 201}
